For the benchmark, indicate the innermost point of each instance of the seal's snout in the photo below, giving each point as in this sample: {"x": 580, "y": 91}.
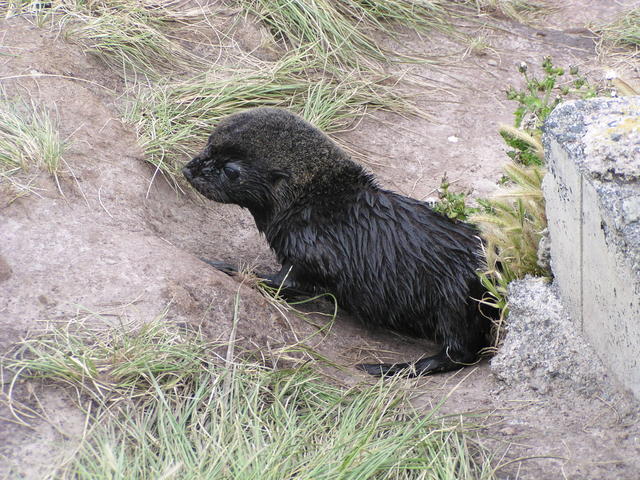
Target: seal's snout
{"x": 186, "y": 171}
{"x": 192, "y": 169}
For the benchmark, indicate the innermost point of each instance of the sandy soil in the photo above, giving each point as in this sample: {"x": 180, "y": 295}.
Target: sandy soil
{"x": 118, "y": 244}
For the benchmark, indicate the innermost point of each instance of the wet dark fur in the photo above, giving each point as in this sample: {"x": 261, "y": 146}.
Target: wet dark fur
{"x": 389, "y": 259}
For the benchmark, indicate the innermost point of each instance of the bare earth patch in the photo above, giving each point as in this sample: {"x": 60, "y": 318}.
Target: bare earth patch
{"x": 121, "y": 244}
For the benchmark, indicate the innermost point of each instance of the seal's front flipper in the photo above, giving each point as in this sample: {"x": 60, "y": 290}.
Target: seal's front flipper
{"x": 283, "y": 282}
{"x": 227, "y": 268}
{"x": 287, "y": 285}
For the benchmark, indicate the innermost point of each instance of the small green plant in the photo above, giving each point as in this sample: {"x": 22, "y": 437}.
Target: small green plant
{"x": 536, "y": 101}
{"x": 541, "y": 96}
{"x": 453, "y": 205}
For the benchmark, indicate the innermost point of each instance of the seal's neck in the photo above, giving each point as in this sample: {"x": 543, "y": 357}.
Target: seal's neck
{"x": 262, "y": 218}
{"x": 294, "y": 202}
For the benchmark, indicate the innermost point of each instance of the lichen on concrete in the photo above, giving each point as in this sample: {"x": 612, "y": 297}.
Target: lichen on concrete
{"x": 602, "y": 135}
{"x": 612, "y": 145}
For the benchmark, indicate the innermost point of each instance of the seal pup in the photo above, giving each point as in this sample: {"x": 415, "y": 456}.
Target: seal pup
{"x": 388, "y": 259}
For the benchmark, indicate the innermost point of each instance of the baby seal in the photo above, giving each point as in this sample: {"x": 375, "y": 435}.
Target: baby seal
{"x": 388, "y": 259}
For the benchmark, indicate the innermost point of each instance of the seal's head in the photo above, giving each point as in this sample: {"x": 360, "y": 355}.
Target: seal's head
{"x": 258, "y": 159}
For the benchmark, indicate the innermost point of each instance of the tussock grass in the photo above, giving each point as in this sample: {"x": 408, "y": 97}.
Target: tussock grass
{"x": 512, "y": 225}
{"x": 341, "y": 32}
{"x": 29, "y": 140}
{"x": 131, "y": 37}
{"x": 111, "y": 364}
{"x": 128, "y": 36}
{"x": 161, "y": 409}
{"x": 173, "y": 119}
{"x": 624, "y": 32}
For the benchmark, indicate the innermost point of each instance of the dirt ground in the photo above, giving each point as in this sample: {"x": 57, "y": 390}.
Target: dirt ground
{"x": 123, "y": 246}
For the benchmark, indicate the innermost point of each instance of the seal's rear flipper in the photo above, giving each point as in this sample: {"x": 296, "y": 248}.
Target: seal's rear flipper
{"x": 442, "y": 362}
{"x": 386, "y": 369}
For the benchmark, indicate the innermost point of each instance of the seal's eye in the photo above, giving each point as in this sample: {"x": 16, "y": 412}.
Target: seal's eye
{"x": 208, "y": 169}
{"x": 231, "y": 170}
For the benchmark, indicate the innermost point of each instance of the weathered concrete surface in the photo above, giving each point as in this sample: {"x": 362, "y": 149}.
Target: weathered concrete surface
{"x": 592, "y": 192}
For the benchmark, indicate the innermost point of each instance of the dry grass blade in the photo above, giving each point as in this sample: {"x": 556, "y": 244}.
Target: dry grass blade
{"x": 523, "y": 11}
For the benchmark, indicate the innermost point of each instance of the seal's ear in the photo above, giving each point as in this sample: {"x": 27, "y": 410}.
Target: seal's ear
{"x": 277, "y": 176}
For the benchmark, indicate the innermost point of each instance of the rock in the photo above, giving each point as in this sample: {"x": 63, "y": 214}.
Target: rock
{"x": 543, "y": 349}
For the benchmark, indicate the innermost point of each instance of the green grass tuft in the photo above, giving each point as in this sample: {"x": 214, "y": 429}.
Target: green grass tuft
{"x": 343, "y": 33}
{"x": 162, "y": 410}
{"x": 625, "y": 31}
{"x": 126, "y": 40}
{"x": 29, "y": 140}
{"x": 131, "y": 37}
{"x": 111, "y": 364}
{"x": 513, "y": 222}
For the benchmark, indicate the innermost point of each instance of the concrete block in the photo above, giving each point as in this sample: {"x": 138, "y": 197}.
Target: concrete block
{"x": 564, "y": 179}
{"x": 592, "y": 192}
